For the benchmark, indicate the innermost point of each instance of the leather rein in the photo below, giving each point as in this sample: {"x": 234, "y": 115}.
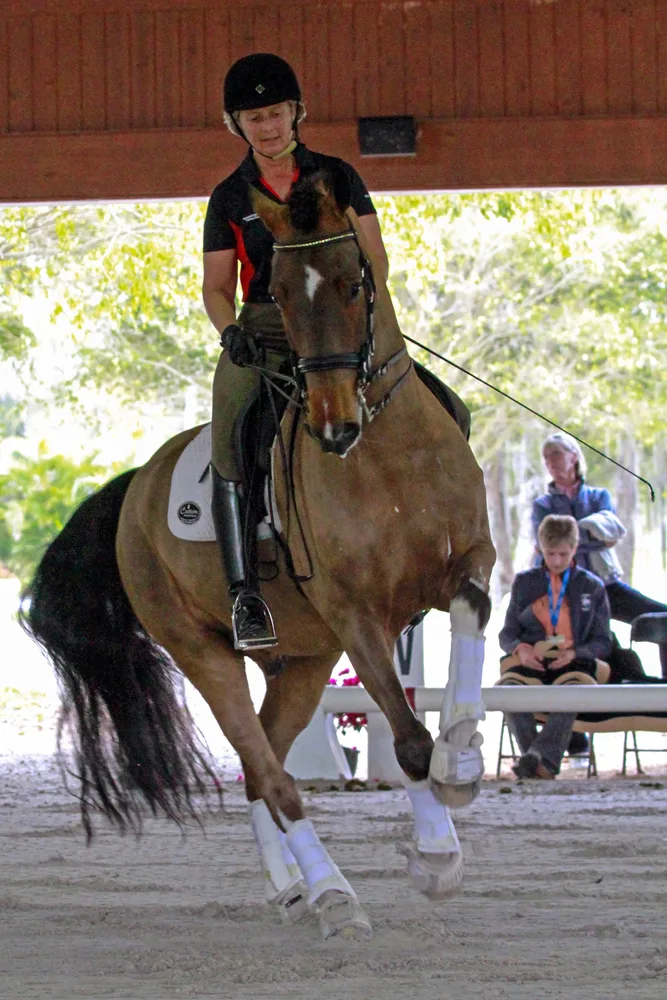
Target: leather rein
{"x": 361, "y": 360}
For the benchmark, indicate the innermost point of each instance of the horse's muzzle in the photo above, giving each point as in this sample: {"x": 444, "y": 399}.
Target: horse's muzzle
{"x": 337, "y": 438}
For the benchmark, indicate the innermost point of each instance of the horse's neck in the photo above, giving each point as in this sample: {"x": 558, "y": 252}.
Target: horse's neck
{"x": 388, "y": 336}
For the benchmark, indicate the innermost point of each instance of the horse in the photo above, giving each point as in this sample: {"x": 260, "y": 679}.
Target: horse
{"x": 392, "y": 510}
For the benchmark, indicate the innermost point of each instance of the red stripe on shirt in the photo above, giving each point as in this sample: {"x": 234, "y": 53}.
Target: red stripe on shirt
{"x": 247, "y": 269}
{"x": 295, "y": 177}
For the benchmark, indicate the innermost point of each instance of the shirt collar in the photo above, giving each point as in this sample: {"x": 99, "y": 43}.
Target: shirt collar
{"x": 553, "y": 489}
{"x": 249, "y": 170}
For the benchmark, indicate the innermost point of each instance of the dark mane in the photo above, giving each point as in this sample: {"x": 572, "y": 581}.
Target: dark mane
{"x": 305, "y": 202}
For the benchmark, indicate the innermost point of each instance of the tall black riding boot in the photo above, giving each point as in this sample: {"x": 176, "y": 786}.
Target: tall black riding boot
{"x": 251, "y": 618}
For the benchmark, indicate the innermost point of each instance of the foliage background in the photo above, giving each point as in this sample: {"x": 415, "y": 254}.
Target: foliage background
{"x": 557, "y": 298}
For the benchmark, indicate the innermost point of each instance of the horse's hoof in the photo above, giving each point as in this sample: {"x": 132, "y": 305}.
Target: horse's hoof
{"x": 456, "y": 773}
{"x": 342, "y": 917}
{"x": 456, "y": 796}
{"x": 437, "y": 876}
{"x": 292, "y": 903}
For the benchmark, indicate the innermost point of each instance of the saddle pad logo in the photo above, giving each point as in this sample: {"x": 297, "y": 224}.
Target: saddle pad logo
{"x": 189, "y": 512}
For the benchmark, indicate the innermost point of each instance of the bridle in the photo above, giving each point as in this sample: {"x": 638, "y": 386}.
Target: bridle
{"x": 361, "y": 360}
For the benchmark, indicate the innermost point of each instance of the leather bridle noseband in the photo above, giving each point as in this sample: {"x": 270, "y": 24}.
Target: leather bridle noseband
{"x": 359, "y": 361}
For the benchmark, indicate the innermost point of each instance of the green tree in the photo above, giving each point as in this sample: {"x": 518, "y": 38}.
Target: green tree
{"x": 37, "y": 497}
{"x": 556, "y": 298}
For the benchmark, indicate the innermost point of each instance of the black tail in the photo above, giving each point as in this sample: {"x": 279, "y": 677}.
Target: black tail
{"x": 132, "y": 739}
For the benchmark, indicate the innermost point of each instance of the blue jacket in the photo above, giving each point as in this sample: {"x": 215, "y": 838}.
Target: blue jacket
{"x": 589, "y": 613}
{"x": 589, "y": 500}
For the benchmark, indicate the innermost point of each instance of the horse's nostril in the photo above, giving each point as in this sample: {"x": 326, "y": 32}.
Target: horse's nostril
{"x": 345, "y": 435}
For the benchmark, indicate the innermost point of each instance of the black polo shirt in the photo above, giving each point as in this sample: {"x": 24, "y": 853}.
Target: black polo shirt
{"x": 232, "y": 224}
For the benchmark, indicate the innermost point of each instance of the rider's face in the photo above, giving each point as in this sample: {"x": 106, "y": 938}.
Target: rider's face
{"x": 268, "y": 130}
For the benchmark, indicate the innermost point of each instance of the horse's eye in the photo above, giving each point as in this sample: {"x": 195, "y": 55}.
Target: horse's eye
{"x": 355, "y": 289}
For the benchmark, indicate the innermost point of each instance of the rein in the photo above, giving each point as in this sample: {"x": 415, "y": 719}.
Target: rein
{"x": 525, "y": 406}
{"x": 361, "y": 360}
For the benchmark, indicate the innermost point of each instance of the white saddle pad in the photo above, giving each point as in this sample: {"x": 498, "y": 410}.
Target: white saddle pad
{"x": 189, "y": 512}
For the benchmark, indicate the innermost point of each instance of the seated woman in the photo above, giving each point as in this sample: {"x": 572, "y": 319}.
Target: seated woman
{"x": 556, "y": 632}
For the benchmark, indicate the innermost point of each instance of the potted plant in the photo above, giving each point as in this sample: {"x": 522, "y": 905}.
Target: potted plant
{"x": 353, "y": 721}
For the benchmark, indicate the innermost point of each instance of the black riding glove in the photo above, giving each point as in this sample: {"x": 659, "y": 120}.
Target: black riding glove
{"x": 239, "y": 345}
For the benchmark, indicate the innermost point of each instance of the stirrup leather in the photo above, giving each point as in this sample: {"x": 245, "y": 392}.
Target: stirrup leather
{"x": 245, "y": 600}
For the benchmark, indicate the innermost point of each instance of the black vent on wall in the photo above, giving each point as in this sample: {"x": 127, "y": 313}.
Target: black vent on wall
{"x": 388, "y": 136}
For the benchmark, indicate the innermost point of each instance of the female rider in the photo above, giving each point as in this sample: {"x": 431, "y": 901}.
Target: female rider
{"x": 263, "y": 106}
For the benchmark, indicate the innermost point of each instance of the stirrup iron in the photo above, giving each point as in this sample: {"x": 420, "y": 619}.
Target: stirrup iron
{"x": 243, "y": 599}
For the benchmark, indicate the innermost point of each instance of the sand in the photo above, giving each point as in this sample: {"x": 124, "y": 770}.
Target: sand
{"x": 565, "y": 896}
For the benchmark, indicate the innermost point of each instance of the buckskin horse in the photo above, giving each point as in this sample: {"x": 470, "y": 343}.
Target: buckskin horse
{"x": 393, "y": 512}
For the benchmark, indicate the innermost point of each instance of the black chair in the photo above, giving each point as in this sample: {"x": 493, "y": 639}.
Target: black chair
{"x": 514, "y": 754}
{"x": 651, "y": 627}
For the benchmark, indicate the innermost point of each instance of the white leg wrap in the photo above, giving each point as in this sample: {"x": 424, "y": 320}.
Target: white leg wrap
{"x": 319, "y": 871}
{"x": 279, "y": 866}
{"x": 434, "y": 857}
{"x": 434, "y": 830}
{"x": 457, "y": 763}
{"x": 463, "y": 693}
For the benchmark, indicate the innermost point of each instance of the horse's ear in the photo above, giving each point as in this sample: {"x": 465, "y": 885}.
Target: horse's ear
{"x": 275, "y": 217}
{"x": 338, "y": 182}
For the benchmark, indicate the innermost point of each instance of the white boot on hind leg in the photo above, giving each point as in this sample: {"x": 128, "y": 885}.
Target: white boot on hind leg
{"x": 284, "y": 885}
{"x": 457, "y": 764}
{"x": 435, "y": 859}
{"x": 339, "y": 911}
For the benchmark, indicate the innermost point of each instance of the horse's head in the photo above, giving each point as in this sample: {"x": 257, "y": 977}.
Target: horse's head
{"x": 322, "y": 283}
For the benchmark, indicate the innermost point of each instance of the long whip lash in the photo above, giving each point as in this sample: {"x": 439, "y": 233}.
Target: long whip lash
{"x": 534, "y": 412}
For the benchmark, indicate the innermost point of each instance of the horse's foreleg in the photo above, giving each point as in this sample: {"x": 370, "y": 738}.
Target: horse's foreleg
{"x": 371, "y": 656}
{"x": 435, "y": 859}
{"x": 457, "y": 765}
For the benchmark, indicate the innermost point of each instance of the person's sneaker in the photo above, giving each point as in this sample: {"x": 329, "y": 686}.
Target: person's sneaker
{"x": 252, "y": 622}
{"x": 527, "y": 765}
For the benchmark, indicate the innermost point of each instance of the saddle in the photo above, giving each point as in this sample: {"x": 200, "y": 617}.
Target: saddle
{"x": 454, "y": 405}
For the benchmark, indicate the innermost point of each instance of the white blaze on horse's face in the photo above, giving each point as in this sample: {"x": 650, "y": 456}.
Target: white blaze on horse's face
{"x": 313, "y": 280}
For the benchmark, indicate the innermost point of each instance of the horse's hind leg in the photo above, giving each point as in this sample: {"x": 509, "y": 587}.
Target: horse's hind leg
{"x": 457, "y": 765}
{"x": 291, "y": 699}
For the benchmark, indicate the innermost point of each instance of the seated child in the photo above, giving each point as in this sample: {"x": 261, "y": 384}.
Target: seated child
{"x": 556, "y": 632}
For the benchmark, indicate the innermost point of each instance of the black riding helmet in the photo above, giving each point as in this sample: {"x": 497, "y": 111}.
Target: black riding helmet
{"x": 258, "y": 81}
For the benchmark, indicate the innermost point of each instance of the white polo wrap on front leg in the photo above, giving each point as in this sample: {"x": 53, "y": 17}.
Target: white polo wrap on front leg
{"x": 319, "y": 871}
{"x": 279, "y": 866}
{"x": 457, "y": 758}
{"x": 463, "y": 693}
{"x": 434, "y": 830}
{"x": 434, "y": 857}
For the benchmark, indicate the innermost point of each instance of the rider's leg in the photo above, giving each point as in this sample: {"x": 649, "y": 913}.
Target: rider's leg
{"x": 252, "y": 622}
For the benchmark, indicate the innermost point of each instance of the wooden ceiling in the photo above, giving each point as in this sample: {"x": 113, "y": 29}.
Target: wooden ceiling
{"x": 121, "y": 98}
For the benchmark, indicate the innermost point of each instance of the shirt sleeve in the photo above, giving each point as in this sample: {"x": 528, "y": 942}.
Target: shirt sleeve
{"x": 598, "y": 641}
{"x": 510, "y": 634}
{"x": 218, "y": 233}
{"x": 360, "y": 199}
